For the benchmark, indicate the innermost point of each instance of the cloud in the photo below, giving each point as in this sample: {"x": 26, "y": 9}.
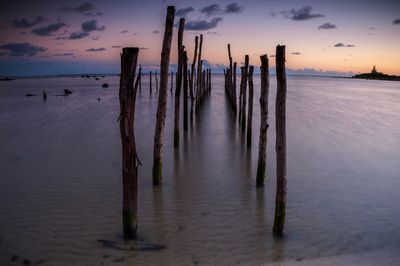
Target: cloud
{"x": 233, "y": 8}
{"x": 182, "y": 12}
{"x": 339, "y": 44}
{"x": 303, "y": 13}
{"x": 327, "y": 26}
{"x": 296, "y": 53}
{"x": 91, "y": 25}
{"x": 24, "y": 23}
{"x": 64, "y": 54}
{"x": 144, "y": 48}
{"x": 203, "y": 24}
{"x": 155, "y": 32}
{"x": 210, "y": 10}
{"x": 48, "y": 30}
{"x": 83, "y": 8}
{"x": 21, "y": 49}
{"x": 396, "y": 21}
{"x": 95, "y": 49}
{"x": 78, "y": 35}
{"x": 116, "y": 46}
{"x": 124, "y": 31}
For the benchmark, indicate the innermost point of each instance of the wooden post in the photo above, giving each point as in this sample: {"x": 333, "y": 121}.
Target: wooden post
{"x": 162, "y": 97}
{"x": 178, "y": 82}
{"x": 244, "y": 97}
{"x": 156, "y": 81}
{"x": 241, "y": 94}
{"x": 262, "y": 146}
{"x": 199, "y": 71}
{"x": 140, "y": 78}
{"x": 280, "y": 147}
{"x": 172, "y": 80}
{"x": 250, "y": 108}
{"x": 185, "y": 91}
{"x": 196, "y": 39}
{"x": 230, "y": 75}
{"x": 127, "y": 98}
{"x": 234, "y": 89}
{"x": 44, "y": 95}
{"x": 151, "y": 87}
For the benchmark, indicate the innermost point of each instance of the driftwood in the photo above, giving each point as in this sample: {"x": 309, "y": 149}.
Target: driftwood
{"x": 262, "y": 146}
{"x": 162, "y": 97}
{"x": 280, "y": 120}
{"x": 127, "y": 97}
{"x": 250, "y": 107}
{"x": 178, "y": 82}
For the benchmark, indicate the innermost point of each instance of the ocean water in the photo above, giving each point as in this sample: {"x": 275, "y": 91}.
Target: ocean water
{"x": 61, "y": 189}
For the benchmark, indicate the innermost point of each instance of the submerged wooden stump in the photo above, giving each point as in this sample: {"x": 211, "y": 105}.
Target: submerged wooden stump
{"x": 262, "y": 146}
{"x": 127, "y": 97}
{"x": 162, "y": 97}
{"x": 280, "y": 114}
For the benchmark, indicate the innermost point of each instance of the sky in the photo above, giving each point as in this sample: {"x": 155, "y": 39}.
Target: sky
{"x": 340, "y": 37}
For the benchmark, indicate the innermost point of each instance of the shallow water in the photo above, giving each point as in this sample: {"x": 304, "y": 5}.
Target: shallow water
{"x": 60, "y": 183}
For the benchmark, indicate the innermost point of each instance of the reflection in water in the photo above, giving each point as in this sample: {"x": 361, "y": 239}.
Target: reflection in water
{"x": 60, "y": 175}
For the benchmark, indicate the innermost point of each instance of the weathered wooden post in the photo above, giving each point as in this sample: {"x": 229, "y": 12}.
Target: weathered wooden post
{"x": 241, "y": 94}
{"x": 192, "y": 89}
{"x": 172, "y": 80}
{"x": 178, "y": 82}
{"x": 262, "y": 145}
{"x": 162, "y": 97}
{"x": 140, "y": 79}
{"x": 199, "y": 71}
{"x": 127, "y": 97}
{"x": 230, "y": 75}
{"x": 137, "y": 82}
{"x": 156, "y": 81}
{"x": 250, "y": 108}
{"x": 280, "y": 147}
{"x": 185, "y": 91}
{"x": 44, "y": 95}
{"x": 244, "y": 97}
{"x": 151, "y": 87}
{"x": 234, "y": 88}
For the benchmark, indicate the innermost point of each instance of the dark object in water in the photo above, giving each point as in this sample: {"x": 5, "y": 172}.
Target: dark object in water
{"x": 6, "y": 79}
{"x": 67, "y": 92}
{"x": 27, "y": 262}
{"x": 96, "y": 79}
{"x": 88, "y": 76}
{"x": 30, "y": 95}
{"x": 44, "y": 96}
{"x": 105, "y": 85}
{"x": 98, "y": 99}
{"x": 82, "y": 76}
{"x": 138, "y": 246}
{"x": 14, "y": 258}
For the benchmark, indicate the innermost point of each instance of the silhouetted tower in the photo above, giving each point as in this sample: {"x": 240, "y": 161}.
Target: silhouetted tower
{"x": 374, "y": 70}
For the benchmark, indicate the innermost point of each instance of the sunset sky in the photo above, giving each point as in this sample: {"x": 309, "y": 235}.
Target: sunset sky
{"x": 45, "y": 37}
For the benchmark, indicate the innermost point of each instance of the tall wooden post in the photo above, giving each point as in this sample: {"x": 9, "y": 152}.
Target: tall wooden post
{"x": 199, "y": 71}
{"x": 140, "y": 78}
{"x": 250, "y": 108}
{"x": 241, "y": 94}
{"x": 172, "y": 80}
{"x": 151, "y": 86}
{"x": 234, "y": 88}
{"x": 178, "y": 82}
{"x": 127, "y": 98}
{"x": 185, "y": 91}
{"x": 244, "y": 97}
{"x": 262, "y": 145}
{"x": 162, "y": 97}
{"x": 157, "y": 81}
{"x": 280, "y": 114}
{"x": 192, "y": 77}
